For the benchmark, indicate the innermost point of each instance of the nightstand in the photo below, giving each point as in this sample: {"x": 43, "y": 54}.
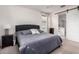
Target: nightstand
{"x": 51, "y": 30}
{"x": 7, "y": 40}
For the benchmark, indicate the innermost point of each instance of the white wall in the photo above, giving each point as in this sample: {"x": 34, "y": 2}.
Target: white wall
{"x": 55, "y": 23}
{"x": 17, "y": 15}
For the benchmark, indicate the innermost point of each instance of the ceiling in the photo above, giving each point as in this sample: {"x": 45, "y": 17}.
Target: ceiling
{"x": 49, "y": 8}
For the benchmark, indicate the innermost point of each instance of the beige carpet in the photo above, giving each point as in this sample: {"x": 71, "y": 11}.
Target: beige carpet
{"x": 10, "y": 50}
{"x": 68, "y": 47}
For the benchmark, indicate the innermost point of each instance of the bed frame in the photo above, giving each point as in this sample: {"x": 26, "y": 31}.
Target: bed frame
{"x": 25, "y": 27}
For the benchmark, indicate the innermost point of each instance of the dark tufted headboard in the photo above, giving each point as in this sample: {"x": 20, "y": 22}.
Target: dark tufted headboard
{"x": 26, "y": 27}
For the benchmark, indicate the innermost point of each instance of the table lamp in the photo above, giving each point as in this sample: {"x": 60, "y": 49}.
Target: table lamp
{"x": 6, "y": 29}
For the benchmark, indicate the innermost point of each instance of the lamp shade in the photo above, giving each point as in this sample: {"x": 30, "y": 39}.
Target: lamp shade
{"x": 7, "y": 26}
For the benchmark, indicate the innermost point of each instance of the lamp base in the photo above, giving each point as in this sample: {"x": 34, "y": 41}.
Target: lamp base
{"x": 6, "y": 31}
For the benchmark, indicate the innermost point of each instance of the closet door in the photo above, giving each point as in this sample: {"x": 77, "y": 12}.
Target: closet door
{"x": 62, "y": 24}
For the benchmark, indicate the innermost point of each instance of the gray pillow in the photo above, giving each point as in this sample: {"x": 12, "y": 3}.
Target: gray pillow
{"x": 24, "y": 32}
{"x": 40, "y": 31}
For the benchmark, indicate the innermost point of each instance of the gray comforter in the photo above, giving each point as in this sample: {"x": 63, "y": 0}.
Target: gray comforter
{"x": 38, "y": 43}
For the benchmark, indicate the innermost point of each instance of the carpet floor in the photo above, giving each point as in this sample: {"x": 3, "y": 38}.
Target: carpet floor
{"x": 68, "y": 47}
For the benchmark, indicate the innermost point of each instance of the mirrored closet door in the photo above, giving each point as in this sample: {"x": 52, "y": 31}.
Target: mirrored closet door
{"x": 62, "y": 24}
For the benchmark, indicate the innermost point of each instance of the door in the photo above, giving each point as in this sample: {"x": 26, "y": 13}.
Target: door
{"x": 62, "y": 24}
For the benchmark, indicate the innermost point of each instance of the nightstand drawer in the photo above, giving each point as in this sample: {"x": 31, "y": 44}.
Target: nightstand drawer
{"x": 7, "y": 40}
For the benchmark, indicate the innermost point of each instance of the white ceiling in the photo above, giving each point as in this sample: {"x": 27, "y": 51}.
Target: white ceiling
{"x": 49, "y": 8}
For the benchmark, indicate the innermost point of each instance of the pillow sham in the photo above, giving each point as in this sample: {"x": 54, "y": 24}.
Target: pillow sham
{"x": 34, "y": 31}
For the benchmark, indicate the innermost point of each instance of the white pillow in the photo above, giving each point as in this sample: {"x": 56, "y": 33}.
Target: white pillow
{"x": 34, "y": 31}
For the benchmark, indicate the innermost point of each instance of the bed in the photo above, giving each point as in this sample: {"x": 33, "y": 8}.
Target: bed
{"x": 41, "y": 43}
